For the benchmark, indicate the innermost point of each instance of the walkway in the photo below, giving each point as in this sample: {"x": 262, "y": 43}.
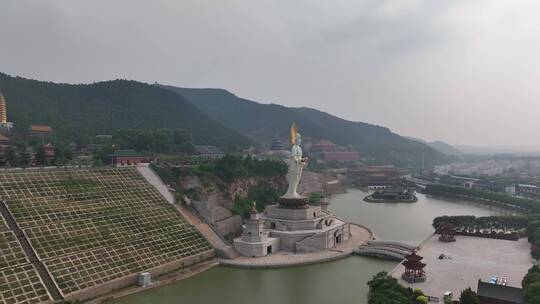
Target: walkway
{"x": 156, "y": 181}
{"x": 282, "y": 259}
{"x": 385, "y": 249}
{"x": 215, "y": 240}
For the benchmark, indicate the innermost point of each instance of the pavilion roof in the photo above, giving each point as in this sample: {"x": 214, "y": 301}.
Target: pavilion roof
{"x": 413, "y": 257}
{"x": 413, "y": 265}
{"x": 448, "y": 230}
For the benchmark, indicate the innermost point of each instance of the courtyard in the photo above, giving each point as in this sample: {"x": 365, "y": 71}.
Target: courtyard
{"x": 468, "y": 260}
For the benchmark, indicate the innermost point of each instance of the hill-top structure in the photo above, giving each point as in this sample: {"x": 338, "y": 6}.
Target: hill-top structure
{"x": 292, "y": 224}
{"x": 70, "y": 234}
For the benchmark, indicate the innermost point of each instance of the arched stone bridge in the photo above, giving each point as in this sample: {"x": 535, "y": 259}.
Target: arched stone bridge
{"x": 385, "y": 249}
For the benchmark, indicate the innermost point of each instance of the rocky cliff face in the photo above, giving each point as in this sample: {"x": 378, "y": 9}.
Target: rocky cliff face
{"x": 214, "y": 202}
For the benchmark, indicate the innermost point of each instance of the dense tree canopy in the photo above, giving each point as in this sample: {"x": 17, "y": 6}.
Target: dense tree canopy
{"x": 507, "y": 224}
{"x": 169, "y": 141}
{"x": 384, "y": 289}
{"x": 486, "y": 197}
{"x": 231, "y": 167}
{"x": 80, "y": 112}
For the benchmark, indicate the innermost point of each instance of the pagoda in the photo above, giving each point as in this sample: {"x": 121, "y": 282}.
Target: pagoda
{"x": 448, "y": 233}
{"x": 414, "y": 268}
{"x": 5, "y": 126}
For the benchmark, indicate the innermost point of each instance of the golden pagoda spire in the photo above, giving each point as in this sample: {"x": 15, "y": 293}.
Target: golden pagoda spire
{"x": 3, "y": 110}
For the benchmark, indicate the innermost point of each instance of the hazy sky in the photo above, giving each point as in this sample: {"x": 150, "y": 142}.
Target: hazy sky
{"x": 466, "y": 72}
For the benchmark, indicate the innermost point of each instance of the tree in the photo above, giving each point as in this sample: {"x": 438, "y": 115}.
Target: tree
{"x": 11, "y": 156}
{"x": 532, "y": 293}
{"x": 384, "y": 289}
{"x": 422, "y": 300}
{"x": 468, "y": 297}
{"x": 40, "y": 155}
{"x": 532, "y": 276}
{"x": 535, "y": 250}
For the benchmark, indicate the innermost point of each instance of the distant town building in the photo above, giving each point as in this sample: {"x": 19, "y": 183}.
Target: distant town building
{"x": 323, "y": 146}
{"x": 374, "y": 177}
{"x": 121, "y": 158}
{"x": 327, "y": 151}
{"x": 41, "y": 131}
{"x": 525, "y": 190}
{"x": 341, "y": 156}
{"x": 489, "y": 293}
{"x": 209, "y": 152}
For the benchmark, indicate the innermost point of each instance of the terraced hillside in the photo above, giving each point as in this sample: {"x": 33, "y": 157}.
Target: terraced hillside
{"x": 91, "y": 226}
{"x": 19, "y": 281}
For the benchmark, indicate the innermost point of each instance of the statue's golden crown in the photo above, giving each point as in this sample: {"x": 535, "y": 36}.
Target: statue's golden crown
{"x": 294, "y": 133}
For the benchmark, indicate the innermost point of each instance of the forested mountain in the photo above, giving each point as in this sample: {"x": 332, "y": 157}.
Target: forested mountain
{"x": 439, "y": 146}
{"x": 80, "y": 112}
{"x": 263, "y": 122}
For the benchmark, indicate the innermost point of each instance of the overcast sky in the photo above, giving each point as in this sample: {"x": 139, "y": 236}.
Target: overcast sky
{"x": 466, "y": 72}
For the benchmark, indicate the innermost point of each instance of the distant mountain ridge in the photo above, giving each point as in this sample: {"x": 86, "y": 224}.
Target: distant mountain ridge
{"x": 263, "y": 122}
{"x": 440, "y": 146}
{"x": 80, "y": 112}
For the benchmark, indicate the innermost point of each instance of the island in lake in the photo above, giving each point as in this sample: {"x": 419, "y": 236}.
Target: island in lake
{"x": 392, "y": 195}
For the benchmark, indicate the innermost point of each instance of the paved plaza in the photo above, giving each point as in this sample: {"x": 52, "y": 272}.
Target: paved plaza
{"x": 470, "y": 259}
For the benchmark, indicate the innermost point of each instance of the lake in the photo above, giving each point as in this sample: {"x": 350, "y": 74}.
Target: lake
{"x": 342, "y": 281}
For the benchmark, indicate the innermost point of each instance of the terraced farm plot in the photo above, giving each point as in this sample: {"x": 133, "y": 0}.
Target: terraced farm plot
{"x": 19, "y": 281}
{"x": 21, "y": 284}
{"x": 90, "y": 226}
{"x": 11, "y": 253}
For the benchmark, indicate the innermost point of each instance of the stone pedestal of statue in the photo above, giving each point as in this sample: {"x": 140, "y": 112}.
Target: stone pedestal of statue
{"x": 293, "y": 203}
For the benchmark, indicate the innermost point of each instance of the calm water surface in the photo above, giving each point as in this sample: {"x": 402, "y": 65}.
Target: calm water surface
{"x": 342, "y": 281}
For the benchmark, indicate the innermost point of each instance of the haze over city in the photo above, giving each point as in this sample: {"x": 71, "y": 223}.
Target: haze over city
{"x": 464, "y": 72}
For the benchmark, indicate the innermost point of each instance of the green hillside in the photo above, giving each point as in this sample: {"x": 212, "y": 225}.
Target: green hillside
{"x": 440, "y": 146}
{"x": 263, "y": 122}
{"x": 79, "y": 112}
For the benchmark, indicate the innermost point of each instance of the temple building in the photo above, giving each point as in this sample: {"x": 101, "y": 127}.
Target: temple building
{"x": 414, "y": 269}
{"x": 40, "y": 131}
{"x": 121, "y": 158}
